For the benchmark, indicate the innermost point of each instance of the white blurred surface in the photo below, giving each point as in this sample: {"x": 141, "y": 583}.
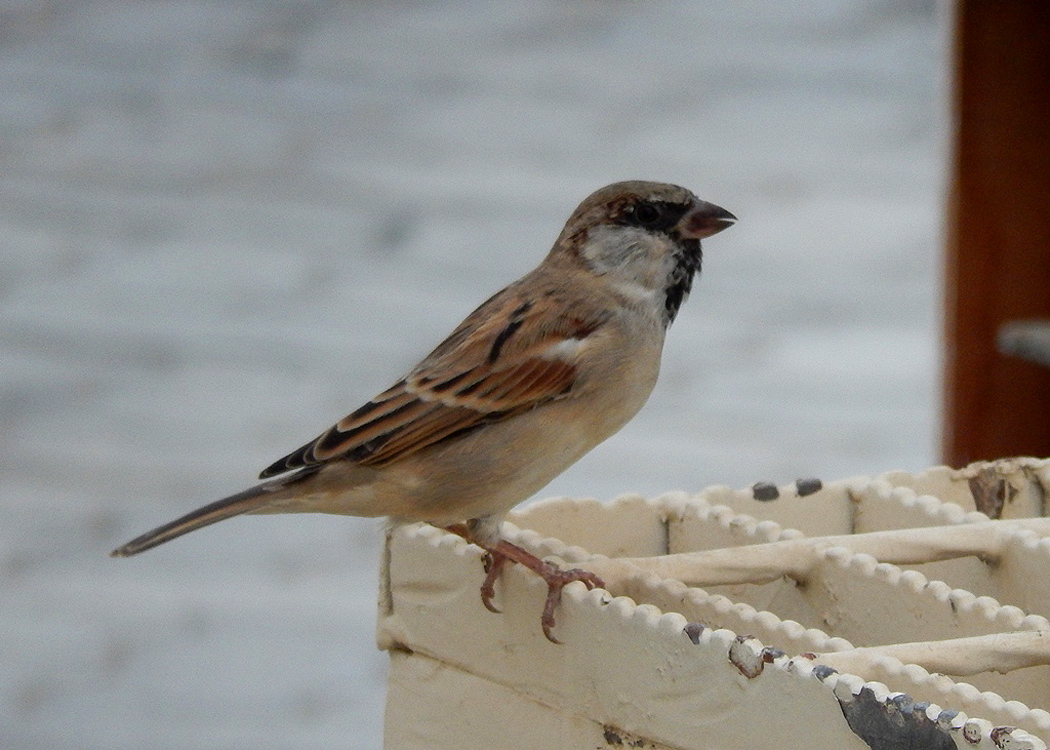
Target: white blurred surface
{"x": 225, "y": 225}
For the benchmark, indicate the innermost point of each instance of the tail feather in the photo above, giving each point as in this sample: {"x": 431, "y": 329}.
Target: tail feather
{"x": 250, "y": 499}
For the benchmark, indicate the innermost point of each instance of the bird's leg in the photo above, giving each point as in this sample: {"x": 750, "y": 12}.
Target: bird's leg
{"x": 492, "y": 562}
{"x": 493, "y": 567}
{"x": 496, "y": 556}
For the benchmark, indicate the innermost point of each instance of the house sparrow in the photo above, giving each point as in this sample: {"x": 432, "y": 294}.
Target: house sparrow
{"x": 533, "y": 379}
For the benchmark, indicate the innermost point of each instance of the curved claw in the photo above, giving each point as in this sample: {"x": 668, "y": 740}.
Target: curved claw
{"x": 494, "y": 563}
{"x": 496, "y": 557}
{"x": 558, "y": 579}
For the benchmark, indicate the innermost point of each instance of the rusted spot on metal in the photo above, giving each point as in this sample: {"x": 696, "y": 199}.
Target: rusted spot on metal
{"x": 823, "y": 672}
{"x": 946, "y": 717}
{"x": 971, "y": 732}
{"x": 1002, "y": 736}
{"x": 764, "y": 491}
{"x": 748, "y": 661}
{"x": 991, "y": 492}
{"x": 769, "y": 654}
{"x": 616, "y": 737}
{"x": 693, "y": 630}
{"x": 896, "y": 724}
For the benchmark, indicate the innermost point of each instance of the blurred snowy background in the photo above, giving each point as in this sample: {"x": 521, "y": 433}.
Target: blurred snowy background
{"x": 224, "y": 225}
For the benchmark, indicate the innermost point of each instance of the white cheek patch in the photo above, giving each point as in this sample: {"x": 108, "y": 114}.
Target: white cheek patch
{"x": 636, "y": 263}
{"x": 609, "y": 248}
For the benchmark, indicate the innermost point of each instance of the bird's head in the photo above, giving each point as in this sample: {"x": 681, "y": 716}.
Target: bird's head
{"x": 643, "y": 238}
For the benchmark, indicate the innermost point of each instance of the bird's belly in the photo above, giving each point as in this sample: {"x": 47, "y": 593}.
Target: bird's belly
{"x": 488, "y": 471}
{"x": 482, "y": 475}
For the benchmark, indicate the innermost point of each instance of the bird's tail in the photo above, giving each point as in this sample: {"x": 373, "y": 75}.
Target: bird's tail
{"x": 249, "y": 500}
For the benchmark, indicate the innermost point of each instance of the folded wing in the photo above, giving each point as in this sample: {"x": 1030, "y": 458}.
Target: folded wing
{"x": 501, "y": 361}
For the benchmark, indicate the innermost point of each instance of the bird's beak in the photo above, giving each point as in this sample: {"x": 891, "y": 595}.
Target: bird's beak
{"x": 704, "y": 220}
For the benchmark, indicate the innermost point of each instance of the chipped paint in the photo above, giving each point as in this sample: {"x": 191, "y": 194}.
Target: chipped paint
{"x": 991, "y": 492}
{"x": 749, "y": 661}
{"x": 694, "y": 630}
{"x": 1003, "y": 737}
{"x": 808, "y": 486}
{"x": 615, "y": 737}
{"x": 765, "y": 491}
{"x": 674, "y": 693}
{"x": 898, "y": 723}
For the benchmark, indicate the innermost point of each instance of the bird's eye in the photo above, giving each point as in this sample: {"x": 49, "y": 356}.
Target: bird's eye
{"x": 648, "y": 214}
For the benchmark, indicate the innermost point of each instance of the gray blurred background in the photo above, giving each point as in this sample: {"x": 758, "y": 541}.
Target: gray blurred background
{"x": 224, "y": 225}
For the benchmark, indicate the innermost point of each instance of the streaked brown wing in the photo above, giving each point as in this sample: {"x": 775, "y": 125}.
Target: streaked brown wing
{"x": 493, "y": 366}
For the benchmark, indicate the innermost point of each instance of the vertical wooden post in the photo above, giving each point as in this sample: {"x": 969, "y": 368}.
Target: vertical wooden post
{"x": 998, "y": 254}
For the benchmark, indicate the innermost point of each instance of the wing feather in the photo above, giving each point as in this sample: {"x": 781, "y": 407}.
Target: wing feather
{"x": 499, "y": 362}
{"x": 436, "y": 425}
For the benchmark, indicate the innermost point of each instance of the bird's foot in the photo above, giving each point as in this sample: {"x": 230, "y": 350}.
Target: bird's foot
{"x": 497, "y": 556}
{"x": 493, "y": 567}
